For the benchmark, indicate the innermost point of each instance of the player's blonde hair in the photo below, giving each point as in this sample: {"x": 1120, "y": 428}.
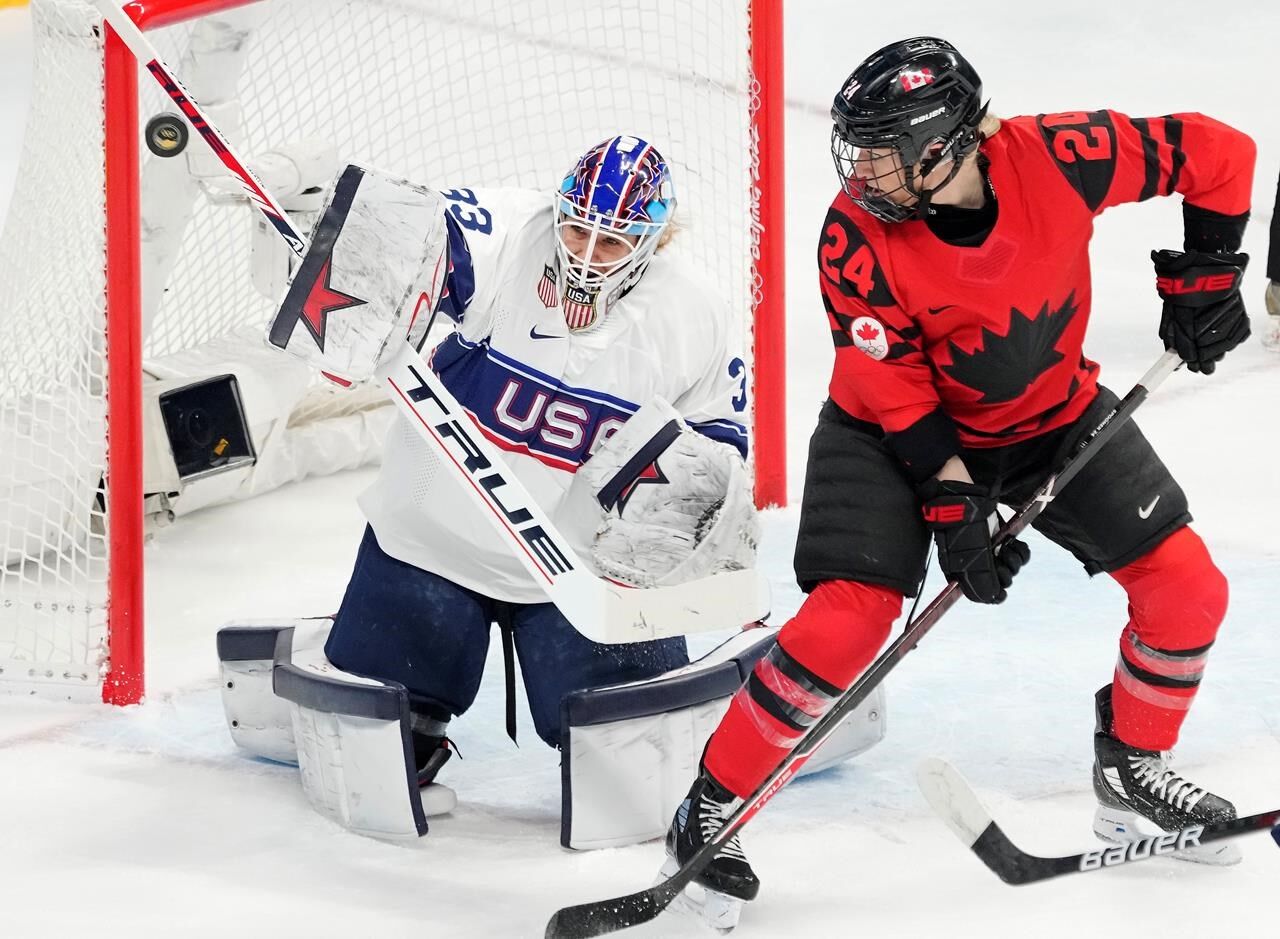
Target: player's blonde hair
{"x": 989, "y": 126}
{"x": 672, "y": 228}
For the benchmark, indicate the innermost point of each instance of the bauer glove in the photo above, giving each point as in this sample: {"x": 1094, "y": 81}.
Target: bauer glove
{"x": 1204, "y": 316}
{"x": 962, "y": 517}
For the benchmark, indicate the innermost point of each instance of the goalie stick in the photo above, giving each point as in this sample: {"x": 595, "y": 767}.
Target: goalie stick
{"x": 606, "y": 916}
{"x": 600, "y": 609}
{"x": 954, "y": 800}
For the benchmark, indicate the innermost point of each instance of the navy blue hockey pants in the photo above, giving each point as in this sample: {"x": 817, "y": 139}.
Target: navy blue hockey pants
{"x": 400, "y": 623}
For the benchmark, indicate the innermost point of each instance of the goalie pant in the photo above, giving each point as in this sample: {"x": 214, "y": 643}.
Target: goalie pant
{"x": 863, "y": 547}
{"x": 407, "y": 625}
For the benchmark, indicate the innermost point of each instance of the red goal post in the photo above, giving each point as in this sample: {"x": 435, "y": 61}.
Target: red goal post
{"x": 407, "y": 85}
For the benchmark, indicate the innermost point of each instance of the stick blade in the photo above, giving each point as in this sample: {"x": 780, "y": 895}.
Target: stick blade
{"x": 725, "y": 600}
{"x": 951, "y": 797}
{"x": 606, "y": 916}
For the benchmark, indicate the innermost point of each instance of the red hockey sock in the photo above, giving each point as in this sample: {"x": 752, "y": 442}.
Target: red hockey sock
{"x": 820, "y": 651}
{"x": 1177, "y": 600}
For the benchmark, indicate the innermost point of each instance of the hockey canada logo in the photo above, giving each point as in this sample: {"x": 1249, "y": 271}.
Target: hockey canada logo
{"x": 868, "y": 336}
{"x": 912, "y": 79}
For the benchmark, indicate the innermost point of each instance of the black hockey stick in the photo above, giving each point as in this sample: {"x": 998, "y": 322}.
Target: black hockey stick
{"x": 953, "y": 798}
{"x": 606, "y": 916}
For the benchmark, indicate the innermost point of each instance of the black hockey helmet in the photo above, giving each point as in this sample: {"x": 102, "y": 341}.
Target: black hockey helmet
{"x": 918, "y": 98}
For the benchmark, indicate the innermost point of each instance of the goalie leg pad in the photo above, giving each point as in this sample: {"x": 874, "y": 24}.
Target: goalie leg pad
{"x": 259, "y": 721}
{"x": 355, "y": 749}
{"x": 631, "y": 749}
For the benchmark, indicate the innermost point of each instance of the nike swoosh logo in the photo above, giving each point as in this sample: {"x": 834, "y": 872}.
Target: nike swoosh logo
{"x": 534, "y": 334}
{"x": 1145, "y": 511}
{"x": 935, "y": 310}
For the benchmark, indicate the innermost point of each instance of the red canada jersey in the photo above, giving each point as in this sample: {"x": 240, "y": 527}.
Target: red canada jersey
{"x": 991, "y": 335}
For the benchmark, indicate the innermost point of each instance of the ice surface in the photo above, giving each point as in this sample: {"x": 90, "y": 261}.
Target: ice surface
{"x": 146, "y": 822}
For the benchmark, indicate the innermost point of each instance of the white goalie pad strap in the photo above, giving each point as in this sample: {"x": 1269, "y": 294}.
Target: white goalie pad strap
{"x": 259, "y": 721}
{"x": 355, "y": 754}
{"x": 371, "y": 277}
{"x": 631, "y": 750}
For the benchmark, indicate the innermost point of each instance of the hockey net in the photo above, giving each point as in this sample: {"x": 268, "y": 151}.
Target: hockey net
{"x": 487, "y": 93}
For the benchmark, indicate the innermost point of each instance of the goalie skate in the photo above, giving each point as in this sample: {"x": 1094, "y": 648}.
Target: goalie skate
{"x": 1139, "y": 795}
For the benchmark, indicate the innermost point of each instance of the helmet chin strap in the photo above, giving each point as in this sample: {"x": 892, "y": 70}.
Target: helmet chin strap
{"x": 925, "y": 196}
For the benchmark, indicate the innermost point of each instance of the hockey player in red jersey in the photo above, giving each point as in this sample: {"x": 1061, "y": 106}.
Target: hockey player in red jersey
{"x": 954, "y": 269}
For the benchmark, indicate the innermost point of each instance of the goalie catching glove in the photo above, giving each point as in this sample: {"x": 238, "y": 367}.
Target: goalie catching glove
{"x": 676, "y": 505}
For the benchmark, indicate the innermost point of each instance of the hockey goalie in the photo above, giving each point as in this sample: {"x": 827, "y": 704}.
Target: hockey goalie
{"x": 610, "y": 376}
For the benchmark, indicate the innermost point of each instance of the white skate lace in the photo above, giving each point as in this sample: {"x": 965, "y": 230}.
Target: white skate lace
{"x": 711, "y": 819}
{"x": 1154, "y": 773}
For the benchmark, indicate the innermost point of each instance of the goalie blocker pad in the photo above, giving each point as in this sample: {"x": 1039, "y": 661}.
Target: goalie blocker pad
{"x": 371, "y": 277}
{"x": 348, "y": 735}
{"x": 631, "y": 750}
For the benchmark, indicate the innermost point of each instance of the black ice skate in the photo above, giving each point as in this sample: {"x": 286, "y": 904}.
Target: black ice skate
{"x": 430, "y": 753}
{"x": 1140, "y": 795}
{"x": 717, "y": 895}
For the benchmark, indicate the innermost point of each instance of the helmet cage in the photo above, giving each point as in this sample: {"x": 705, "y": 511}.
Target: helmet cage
{"x": 621, "y": 187}
{"x": 923, "y": 124}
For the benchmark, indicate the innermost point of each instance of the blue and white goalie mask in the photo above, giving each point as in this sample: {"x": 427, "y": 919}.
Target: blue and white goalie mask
{"x": 613, "y": 208}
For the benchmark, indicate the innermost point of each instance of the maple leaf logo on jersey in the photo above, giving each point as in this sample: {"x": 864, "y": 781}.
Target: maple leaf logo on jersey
{"x": 1004, "y": 367}
{"x": 868, "y": 336}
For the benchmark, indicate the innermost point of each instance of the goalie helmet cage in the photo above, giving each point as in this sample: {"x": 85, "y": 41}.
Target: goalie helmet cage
{"x": 487, "y": 94}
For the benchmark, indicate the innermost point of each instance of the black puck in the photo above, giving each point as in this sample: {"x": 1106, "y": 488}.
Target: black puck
{"x": 167, "y": 135}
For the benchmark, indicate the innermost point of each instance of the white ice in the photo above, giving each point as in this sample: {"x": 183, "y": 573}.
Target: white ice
{"x": 146, "y": 822}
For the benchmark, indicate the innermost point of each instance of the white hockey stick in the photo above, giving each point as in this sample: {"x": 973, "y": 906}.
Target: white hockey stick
{"x": 599, "y": 609}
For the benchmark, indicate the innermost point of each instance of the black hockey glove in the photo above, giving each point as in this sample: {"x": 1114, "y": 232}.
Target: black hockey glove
{"x": 962, "y": 517}
{"x": 1204, "y": 316}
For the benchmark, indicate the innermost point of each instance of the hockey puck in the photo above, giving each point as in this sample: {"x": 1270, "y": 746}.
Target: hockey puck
{"x": 167, "y": 135}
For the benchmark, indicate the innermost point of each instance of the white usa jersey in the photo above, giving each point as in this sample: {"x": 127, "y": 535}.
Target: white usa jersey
{"x": 543, "y": 395}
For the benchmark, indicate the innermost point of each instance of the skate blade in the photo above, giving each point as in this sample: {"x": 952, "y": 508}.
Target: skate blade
{"x": 437, "y": 799}
{"x": 1117, "y": 826}
{"x": 711, "y": 908}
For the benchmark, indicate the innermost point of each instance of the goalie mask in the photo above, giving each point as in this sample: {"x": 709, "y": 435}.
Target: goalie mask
{"x": 612, "y": 210}
{"x": 904, "y": 112}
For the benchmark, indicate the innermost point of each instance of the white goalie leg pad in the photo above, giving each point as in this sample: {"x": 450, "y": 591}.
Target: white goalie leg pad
{"x": 670, "y": 504}
{"x": 259, "y": 721}
{"x": 630, "y": 750}
{"x": 355, "y": 751}
{"x": 371, "y": 277}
